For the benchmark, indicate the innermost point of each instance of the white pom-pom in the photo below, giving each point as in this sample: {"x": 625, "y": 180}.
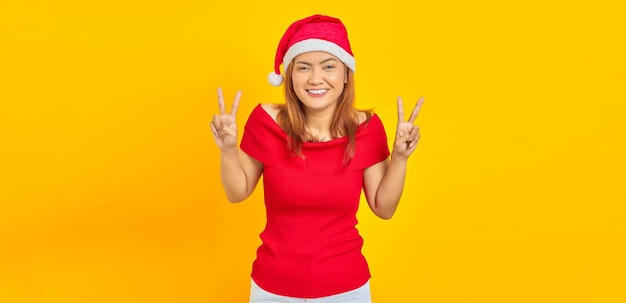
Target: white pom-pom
{"x": 275, "y": 79}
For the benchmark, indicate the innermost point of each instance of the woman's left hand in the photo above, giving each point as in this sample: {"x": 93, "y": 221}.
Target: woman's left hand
{"x": 407, "y": 133}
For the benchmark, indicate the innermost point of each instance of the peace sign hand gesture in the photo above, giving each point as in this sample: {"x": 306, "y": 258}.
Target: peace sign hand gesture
{"x": 224, "y": 126}
{"x": 407, "y": 134}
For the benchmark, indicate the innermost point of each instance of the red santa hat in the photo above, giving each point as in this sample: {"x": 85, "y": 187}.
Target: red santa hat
{"x": 314, "y": 33}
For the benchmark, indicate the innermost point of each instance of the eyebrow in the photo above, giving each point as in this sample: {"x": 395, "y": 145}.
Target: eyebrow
{"x": 321, "y": 62}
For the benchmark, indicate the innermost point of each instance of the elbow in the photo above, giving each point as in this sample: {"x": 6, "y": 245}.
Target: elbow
{"x": 235, "y": 201}
{"x": 236, "y": 194}
{"x": 384, "y": 208}
{"x": 236, "y": 198}
{"x": 385, "y": 215}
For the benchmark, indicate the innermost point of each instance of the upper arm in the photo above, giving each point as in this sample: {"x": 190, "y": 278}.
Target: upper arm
{"x": 372, "y": 176}
{"x": 271, "y": 109}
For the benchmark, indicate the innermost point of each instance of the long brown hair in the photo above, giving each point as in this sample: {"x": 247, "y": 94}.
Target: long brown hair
{"x": 344, "y": 123}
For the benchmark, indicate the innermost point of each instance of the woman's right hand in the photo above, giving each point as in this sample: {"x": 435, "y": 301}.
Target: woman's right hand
{"x": 224, "y": 126}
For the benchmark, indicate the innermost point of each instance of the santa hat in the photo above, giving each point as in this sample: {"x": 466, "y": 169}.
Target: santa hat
{"x": 314, "y": 33}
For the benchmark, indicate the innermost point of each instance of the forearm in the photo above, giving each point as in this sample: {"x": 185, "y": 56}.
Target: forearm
{"x": 391, "y": 187}
{"x": 233, "y": 176}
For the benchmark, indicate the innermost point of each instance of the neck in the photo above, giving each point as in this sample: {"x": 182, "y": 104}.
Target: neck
{"x": 318, "y": 125}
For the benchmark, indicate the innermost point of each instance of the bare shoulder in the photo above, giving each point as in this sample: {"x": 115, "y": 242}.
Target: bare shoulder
{"x": 362, "y": 116}
{"x": 271, "y": 109}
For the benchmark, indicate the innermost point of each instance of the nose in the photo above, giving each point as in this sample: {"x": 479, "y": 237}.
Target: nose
{"x": 316, "y": 77}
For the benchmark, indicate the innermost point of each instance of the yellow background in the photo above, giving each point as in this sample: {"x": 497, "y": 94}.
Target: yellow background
{"x": 109, "y": 176}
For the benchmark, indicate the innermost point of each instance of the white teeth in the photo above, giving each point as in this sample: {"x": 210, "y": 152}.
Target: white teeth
{"x": 317, "y": 91}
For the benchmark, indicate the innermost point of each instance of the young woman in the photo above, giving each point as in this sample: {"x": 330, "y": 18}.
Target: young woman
{"x": 316, "y": 153}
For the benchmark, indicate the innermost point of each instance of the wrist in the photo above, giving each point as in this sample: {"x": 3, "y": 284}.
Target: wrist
{"x": 230, "y": 151}
{"x": 401, "y": 159}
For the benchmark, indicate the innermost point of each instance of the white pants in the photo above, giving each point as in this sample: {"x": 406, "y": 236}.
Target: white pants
{"x": 359, "y": 295}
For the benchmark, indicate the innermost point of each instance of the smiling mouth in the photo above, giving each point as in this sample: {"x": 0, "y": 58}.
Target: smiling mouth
{"x": 317, "y": 91}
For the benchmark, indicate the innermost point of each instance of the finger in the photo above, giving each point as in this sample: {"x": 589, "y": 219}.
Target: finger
{"x": 220, "y": 101}
{"x": 228, "y": 131}
{"x": 213, "y": 129}
{"x": 413, "y": 138}
{"x": 414, "y": 130}
{"x": 401, "y": 138}
{"x": 409, "y": 138}
{"x": 416, "y": 110}
{"x": 233, "y": 109}
{"x": 401, "y": 131}
{"x": 400, "y": 110}
{"x": 217, "y": 123}
{"x": 413, "y": 134}
{"x": 413, "y": 144}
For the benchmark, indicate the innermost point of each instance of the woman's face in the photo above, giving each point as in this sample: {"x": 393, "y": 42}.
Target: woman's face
{"x": 318, "y": 80}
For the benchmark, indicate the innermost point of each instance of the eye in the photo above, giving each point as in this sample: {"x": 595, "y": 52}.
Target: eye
{"x": 302, "y": 68}
{"x": 330, "y": 66}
